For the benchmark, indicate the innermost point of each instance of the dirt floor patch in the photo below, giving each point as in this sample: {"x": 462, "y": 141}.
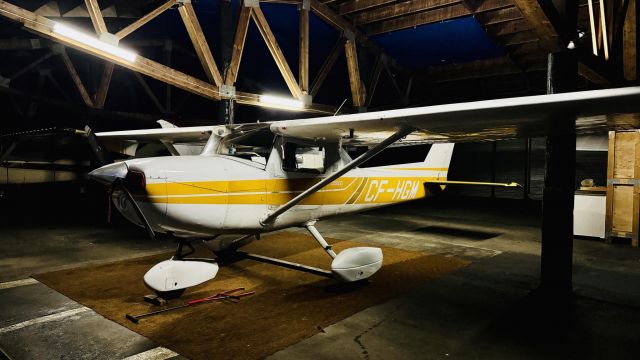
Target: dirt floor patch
{"x": 288, "y": 305}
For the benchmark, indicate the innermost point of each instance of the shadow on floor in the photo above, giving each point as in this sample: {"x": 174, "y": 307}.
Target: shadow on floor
{"x": 466, "y": 234}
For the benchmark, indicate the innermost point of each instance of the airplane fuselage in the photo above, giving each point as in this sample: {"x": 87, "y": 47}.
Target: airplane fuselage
{"x": 209, "y": 195}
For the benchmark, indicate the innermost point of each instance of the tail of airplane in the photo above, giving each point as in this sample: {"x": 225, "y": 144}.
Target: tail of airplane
{"x": 439, "y": 158}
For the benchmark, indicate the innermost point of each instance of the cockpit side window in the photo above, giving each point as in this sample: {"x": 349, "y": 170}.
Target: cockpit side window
{"x": 303, "y": 158}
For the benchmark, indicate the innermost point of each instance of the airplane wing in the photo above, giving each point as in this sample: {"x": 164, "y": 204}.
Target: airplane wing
{"x": 172, "y": 135}
{"x": 236, "y": 133}
{"x": 530, "y": 116}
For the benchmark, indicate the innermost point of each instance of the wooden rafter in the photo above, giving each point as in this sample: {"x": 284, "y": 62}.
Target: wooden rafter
{"x": 31, "y": 66}
{"x": 149, "y": 92}
{"x": 427, "y": 17}
{"x": 359, "y": 5}
{"x": 629, "y": 43}
{"x": 374, "y": 79}
{"x": 394, "y": 82}
{"x": 44, "y": 27}
{"x": 200, "y": 44}
{"x": 303, "y": 64}
{"x": 499, "y": 16}
{"x": 231, "y": 73}
{"x": 145, "y": 19}
{"x": 276, "y": 52}
{"x": 76, "y": 78}
{"x": 511, "y": 27}
{"x": 540, "y": 23}
{"x": 96, "y": 16}
{"x": 327, "y": 66}
{"x": 400, "y": 9}
{"x": 105, "y": 81}
{"x": 358, "y": 93}
{"x": 519, "y": 38}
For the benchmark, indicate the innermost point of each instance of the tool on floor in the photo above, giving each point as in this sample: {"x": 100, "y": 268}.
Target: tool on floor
{"x": 230, "y": 295}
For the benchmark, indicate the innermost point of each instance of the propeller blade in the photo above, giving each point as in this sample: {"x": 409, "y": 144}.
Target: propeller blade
{"x": 101, "y": 154}
{"x": 139, "y": 212}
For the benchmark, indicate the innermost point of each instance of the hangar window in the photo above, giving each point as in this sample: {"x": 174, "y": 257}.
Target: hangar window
{"x": 303, "y": 158}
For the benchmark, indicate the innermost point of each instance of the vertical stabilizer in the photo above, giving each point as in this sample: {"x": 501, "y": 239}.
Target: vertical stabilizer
{"x": 439, "y": 158}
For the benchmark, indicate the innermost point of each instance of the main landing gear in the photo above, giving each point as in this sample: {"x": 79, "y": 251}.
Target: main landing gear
{"x": 171, "y": 277}
{"x": 349, "y": 265}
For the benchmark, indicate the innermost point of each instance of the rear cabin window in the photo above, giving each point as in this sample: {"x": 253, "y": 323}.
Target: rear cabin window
{"x": 303, "y": 158}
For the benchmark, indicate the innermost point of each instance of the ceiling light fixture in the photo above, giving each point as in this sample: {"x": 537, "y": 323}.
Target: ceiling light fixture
{"x": 282, "y": 101}
{"x": 94, "y": 42}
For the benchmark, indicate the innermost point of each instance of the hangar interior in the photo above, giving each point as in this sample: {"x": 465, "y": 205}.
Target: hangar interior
{"x": 546, "y": 269}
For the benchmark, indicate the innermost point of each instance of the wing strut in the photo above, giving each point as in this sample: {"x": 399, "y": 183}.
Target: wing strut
{"x": 270, "y": 218}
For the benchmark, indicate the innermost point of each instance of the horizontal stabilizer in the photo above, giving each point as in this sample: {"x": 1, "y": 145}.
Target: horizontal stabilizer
{"x": 476, "y": 183}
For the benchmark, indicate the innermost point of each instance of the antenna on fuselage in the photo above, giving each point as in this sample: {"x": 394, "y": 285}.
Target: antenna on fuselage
{"x": 340, "y": 107}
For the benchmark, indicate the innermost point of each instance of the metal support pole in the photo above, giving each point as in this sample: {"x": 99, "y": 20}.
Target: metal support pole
{"x": 559, "y": 186}
{"x": 527, "y": 170}
{"x": 225, "y": 49}
{"x": 494, "y": 147}
{"x": 399, "y": 134}
{"x": 316, "y": 235}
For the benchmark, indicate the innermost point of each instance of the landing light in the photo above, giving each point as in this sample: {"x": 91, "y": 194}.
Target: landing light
{"x": 282, "y": 101}
{"x": 94, "y": 42}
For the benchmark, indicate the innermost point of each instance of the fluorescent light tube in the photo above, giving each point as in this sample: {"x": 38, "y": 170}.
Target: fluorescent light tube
{"x": 282, "y": 101}
{"x": 94, "y": 42}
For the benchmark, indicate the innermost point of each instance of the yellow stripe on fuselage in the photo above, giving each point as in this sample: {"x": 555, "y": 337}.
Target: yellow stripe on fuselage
{"x": 415, "y": 169}
{"x": 343, "y": 191}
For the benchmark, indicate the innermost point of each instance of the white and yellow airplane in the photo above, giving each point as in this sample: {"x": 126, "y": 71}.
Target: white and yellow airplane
{"x": 250, "y": 179}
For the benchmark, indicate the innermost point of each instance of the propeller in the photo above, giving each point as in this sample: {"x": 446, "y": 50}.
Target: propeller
{"x": 101, "y": 154}
{"x": 120, "y": 184}
{"x": 116, "y": 176}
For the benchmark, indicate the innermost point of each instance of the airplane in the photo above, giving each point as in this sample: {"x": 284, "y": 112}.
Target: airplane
{"x": 254, "y": 178}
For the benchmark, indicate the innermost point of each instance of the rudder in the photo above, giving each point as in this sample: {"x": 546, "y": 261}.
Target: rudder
{"x": 439, "y": 157}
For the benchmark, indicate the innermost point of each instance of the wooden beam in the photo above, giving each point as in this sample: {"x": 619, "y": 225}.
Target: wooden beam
{"x": 327, "y": 14}
{"x": 76, "y": 78}
{"x": 359, "y": 5}
{"x": 592, "y": 26}
{"x": 105, "y": 81}
{"x": 394, "y": 82}
{"x": 473, "y": 70}
{"x": 254, "y": 99}
{"x": 499, "y": 16}
{"x": 200, "y": 44}
{"x": 303, "y": 64}
{"x": 44, "y": 27}
{"x": 338, "y": 22}
{"x": 31, "y": 66}
{"x": 540, "y": 23}
{"x": 414, "y": 6}
{"x": 519, "y": 38}
{"x": 96, "y": 16}
{"x": 358, "y": 93}
{"x": 327, "y": 66}
{"x": 231, "y": 73}
{"x": 511, "y": 27}
{"x": 427, "y": 17}
{"x": 149, "y": 92}
{"x": 401, "y": 9}
{"x": 374, "y": 79}
{"x": 603, "y": 29}
{"x": 145, "y": 19}
{"x": 629, "y": 43}
{"x": 618, "y": 29}
{"x": 276, "y": 52}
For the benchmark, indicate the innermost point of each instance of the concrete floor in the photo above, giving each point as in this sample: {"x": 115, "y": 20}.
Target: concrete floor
{"x": 486, "y": 310}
